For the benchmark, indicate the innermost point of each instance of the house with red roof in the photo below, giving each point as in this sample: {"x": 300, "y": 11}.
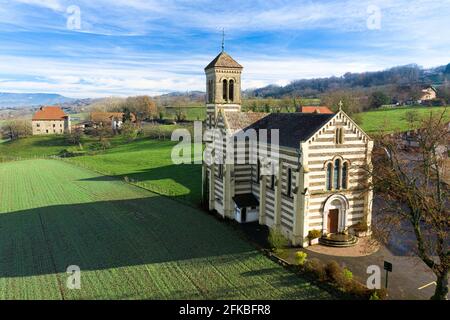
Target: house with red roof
{"x": 50, "y": 120}
{"x": 315, "y": 109}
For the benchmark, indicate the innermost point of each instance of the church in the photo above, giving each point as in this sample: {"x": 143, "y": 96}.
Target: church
{"x": 318, "y": 182}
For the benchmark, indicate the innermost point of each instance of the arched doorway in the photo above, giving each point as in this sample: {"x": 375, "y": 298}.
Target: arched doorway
{"x": 335, "y": 214}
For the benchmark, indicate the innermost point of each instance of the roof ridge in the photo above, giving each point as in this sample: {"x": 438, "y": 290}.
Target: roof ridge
{"x": 223, "y": 59}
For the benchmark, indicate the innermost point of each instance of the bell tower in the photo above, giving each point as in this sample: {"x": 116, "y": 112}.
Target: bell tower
{"x": 223, "y": 86}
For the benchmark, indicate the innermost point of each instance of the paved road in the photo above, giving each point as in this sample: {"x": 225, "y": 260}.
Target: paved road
{"x": 409, "y": 272}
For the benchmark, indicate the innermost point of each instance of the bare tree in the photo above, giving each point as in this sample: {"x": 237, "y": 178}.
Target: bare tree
{"x": 416, "y": 196}
{"x": 16, "y": 129}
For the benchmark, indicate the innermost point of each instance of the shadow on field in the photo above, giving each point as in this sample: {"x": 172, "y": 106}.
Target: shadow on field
{"x": 186, "y": 175}
{"x": 111, "y": 234}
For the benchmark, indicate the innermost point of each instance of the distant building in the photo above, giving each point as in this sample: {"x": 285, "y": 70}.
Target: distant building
{"x": 315, "y": 109}
{"x": 428, "y": 93}
{"x": 50, "y": 120}
{"x": 110, "y": 119}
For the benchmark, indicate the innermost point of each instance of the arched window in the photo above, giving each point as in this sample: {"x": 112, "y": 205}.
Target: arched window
{"x": 337, "y": 174}
{"x": 344, "y": 175}
{"x": 329, "y": 176}
{"x": 210, "y": 91}
{"x": 231, "y": 90}
{"x": 339, "y": 137}
{"x": 225, "y": 90}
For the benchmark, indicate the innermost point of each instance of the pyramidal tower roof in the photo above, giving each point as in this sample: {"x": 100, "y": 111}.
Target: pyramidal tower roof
{"x": 223, "y": 60}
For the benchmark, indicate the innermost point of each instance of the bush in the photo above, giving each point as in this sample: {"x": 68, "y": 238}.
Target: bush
{"x": 356, "y": 289}
{"x": 316, "y": 267}
{"x": 300, "y": 257}
{"x": 360, "y": 227}
{"x": 101, "y": 145}
{"x": 348, "y": 275}
{"x": 129, "y": 131}
{"x": 277, "y": 240}
{"x": 380, "y": 293}
{"x": 313, "y": 234}
{"x": 334, "y": 272}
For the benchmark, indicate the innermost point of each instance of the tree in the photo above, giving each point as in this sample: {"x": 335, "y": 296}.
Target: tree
{"x": 415, "y": 195}
{"x": 109, "y": 104}
{"x": 143, "y": 107}
{"x": 129, "y": 131}
{"x": 16, "y": 129}
{"x": 378, "y": 98}
{"x": 412, "y": 117}
{"x": 180, "y": 115}
{"x": 351, "y": 101}
{"x": 75, "y": 137}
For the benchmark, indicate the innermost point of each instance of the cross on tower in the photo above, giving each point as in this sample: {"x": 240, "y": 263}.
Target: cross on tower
{"x": 223, "y": 39}
{"x": 340, "y": 104}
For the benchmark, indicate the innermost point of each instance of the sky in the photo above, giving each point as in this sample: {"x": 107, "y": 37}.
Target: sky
{"x": 97, "y": 48}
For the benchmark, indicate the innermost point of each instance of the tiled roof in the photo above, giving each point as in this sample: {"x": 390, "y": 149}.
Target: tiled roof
{"x": 49, "y": 113}
{"x": 316, "y": 109}
{"x": 240, "y": 120}
{"x": 293, "y": 127}
{"x": 223, "y": 60}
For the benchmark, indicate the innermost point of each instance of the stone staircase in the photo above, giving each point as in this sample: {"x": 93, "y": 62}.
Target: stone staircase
{"x": 338, "y": 240}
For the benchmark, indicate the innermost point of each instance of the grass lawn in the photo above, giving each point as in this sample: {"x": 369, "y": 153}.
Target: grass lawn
{"x": 394, "y": 119}
{"x": 148, "y": 162}
{"x": 38, "y": 146}
{"x": 128, "y": 242}
{"x": 192, "y": 113}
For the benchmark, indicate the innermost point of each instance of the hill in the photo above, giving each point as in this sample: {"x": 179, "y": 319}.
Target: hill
{"x": 14, "y": 100}
{"x": 400, "y": 77}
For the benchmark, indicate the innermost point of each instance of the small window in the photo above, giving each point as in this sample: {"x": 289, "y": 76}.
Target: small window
{"x": 225, "y": 90}
{"x": 339, "y": 137}
{"x": 272, "y": 182}
{"x": 329, "y": 176}
{"x": 344, "y": 175}
{"x": 210, "y": 91}
{"x": 220, "y": 171}
{"x": 289, "y": 182}
{"x": 54, "y": 125}
{"x": 231, "y": 90}
{"x": 337, "y": 174}
{"x": 38, "y": 125}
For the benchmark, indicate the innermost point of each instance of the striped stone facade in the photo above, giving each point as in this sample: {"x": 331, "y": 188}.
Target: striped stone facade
{"x": 320, "y": 174}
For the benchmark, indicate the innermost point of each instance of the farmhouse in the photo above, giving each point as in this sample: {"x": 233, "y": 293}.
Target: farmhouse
{"x": 50, "y": 120}
{"x": 315, "y": 181}
{"x": 428, "y": 93}
{"x": 110, "y": 119}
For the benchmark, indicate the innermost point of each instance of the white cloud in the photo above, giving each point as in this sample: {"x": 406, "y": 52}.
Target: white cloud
{"x": 411, "y": 32}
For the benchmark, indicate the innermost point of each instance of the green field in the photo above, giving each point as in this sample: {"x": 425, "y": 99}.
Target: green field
{"x": 148, "y": 163}
{"x": 128, "y": 242}
{"x": 394, "y": 120}
{"x": 192, "y": 113}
